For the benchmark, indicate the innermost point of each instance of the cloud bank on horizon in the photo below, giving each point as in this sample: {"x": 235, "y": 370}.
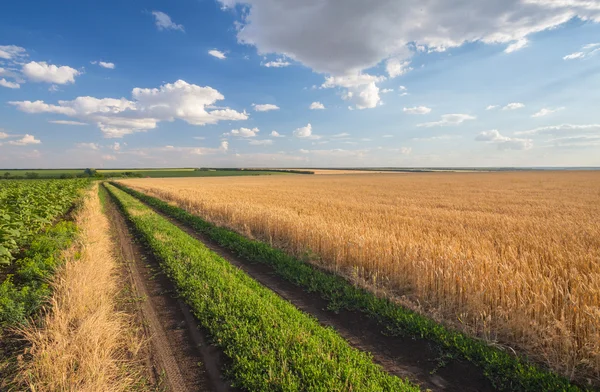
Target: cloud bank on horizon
{"x": 480, "y": 83}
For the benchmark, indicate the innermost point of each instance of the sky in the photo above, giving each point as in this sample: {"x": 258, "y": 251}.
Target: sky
{"x": 300, "y": 83}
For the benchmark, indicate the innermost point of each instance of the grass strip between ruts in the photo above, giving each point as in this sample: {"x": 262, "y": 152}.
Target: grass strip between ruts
{"x": 272, "y": 345}
{"x": 506, "y": 371}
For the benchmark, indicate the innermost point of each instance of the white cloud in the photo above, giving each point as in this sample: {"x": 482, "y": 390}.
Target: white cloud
{"x": 91, "y": 146}
{"x": 504, "y": 142}
{"x": 316, "y": 105}
{"x": 119, "y": 117}
{"x": 10, "y": 52}
{"x": 561, "y": 129}
{"x": 448, "y": 119}
{"x": 343, "y": 134}
{"x": 305, "y": 132}
{"x": 8, "y": 84}
{"x": 513, "y": 106}
{"x": 387, "y": 136}
{"x": 265, "y": 142}
{"x": 224, "y": 146}
{"x": 396, "y": 67}
{"x": 492, "y": 107}
{"x": 116, "y": 146}
{"x": 66, "y": 122}
{"x": 417, "y": 110}
{"x": 546, "y": 111}
{"x": 303, "y": 151}
{"x": 243, "y": 132}
{"x": 402, "y": 88}
{"x": 405, "y": 150}
{"x": 25, "y": 140}
{"x": 109, "y": 157}
{"x": 279, "y": 63}
{"x": 364, "y": 35}
{"x": 264, "y": 107}
{"x": 586, "y": 51}
{"x": 387, "y": 90}
{"x": 104, "y": 64}
{"x": 573, "y": 56}
{"x": 164, "y": 22}
{"x": 276, "y": 134}
{"x": 217, "y": 53}
{"x": 361, "y": 88}
{"x": 49, "y": 73}
{"x": 517, "y": 45}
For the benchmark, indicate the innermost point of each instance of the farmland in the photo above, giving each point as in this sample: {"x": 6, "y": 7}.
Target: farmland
{"x": 508, "y": 257}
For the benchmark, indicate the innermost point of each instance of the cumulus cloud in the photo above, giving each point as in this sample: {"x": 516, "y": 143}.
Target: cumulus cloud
{"x": 264, "y": 107}
{"x": 49, "y": 73}
{"x": 217, "y": 53}
{"x": 561, "y": 129}
{"x": 25, "y": 140}
{"x": 164, "y": 22}
{"x": 360, "y": 89}
{"x": 586, "y": 51}
{"x": 243, "y": 132}
{"x": 546, "y": 111}
{"x": 513, "y": 106}
{"x": 316, "y": 105}
{"x": 279, "y": 63}
{"x": 387, "y": 90}
{"x": 492, "y": 107}
{"x": 305, "y": 132}
{"x": 119, "y": 117}
{"x": 417, "y": 110}
{"x": 366, "y": 35}
{"x": 448, "y": 119}
{"x": 8, "y": 84}
{"x": 67, "y": 122}
{"x": 276, "y": 134}
{"x": 504, "y": 142}
{"x": 265, "y": 142}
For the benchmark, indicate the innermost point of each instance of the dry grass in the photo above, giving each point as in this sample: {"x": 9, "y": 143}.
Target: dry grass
{"x": 84, "y": 343}
{"x": 511, "y": 257}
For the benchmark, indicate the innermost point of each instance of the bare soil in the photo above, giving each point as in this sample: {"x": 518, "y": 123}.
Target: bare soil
{"x": 179, "y": 357}
{"x": 419, "y": 360}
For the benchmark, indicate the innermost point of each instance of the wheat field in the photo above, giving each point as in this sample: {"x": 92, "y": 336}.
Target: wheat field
{"x": 510, "y": 257}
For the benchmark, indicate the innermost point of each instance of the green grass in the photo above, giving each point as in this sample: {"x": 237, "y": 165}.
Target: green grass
{"x": 506, "y": 371}
{"x": 271, "y": 345}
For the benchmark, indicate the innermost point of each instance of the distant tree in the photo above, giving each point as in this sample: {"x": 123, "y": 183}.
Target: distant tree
{"x": 90, "y": 172}
{"x": 32, "y": 175}
{"x": 7, "y": 175}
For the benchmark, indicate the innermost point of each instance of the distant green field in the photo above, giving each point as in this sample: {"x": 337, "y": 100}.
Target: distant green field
{"x": 143, "y": 170}
{"x": 184, "y": 172}
{"x": 42, "y": 172}
{"x": 200, "y": 173}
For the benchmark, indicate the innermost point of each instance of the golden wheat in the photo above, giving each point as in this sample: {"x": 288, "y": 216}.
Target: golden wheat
{"x": 84, "y": 343}
{"x": 511, "y": 257}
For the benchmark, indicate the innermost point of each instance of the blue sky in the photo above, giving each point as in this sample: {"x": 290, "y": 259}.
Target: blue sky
{"x": 294, "y": 83}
